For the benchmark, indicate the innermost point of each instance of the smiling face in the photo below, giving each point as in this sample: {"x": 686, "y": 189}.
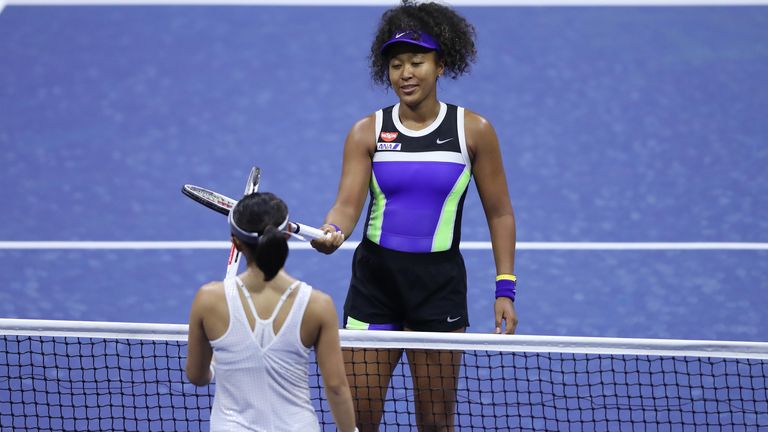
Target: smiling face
{"x": 413, "y": 73}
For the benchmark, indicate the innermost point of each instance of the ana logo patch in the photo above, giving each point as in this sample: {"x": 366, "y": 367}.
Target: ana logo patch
{"x": 388, "y": 146}
{"x": 388, "y": 136}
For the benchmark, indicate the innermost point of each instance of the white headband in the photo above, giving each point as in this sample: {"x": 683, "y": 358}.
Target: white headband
{"x": 246, "y": 236}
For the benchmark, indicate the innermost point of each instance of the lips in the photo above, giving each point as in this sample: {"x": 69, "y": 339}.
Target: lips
{"x": 408, "y": 88}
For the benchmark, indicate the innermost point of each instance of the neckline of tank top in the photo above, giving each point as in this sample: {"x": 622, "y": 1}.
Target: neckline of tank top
{"x": 275, "y": 311}
{"x": 421, "y": 132}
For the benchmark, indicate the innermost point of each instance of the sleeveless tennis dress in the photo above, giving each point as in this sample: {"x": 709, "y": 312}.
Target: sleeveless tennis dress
{"x": 419, "y": 182}
{"x": 407, "y": 271}
{"x": 262, "y": 377}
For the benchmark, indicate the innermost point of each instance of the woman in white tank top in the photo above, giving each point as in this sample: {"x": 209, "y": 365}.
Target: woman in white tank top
{"x": 261, "y": 326}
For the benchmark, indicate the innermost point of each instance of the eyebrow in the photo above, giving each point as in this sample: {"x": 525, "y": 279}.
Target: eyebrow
{"x": 413, "y": 56}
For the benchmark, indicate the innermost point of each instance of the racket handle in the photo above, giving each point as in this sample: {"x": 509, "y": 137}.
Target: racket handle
{"x": 307, "y": 231}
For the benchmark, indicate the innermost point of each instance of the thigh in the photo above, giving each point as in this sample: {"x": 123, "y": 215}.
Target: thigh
{"x": 369, "y": 372}
{"x": 435, "y": 377}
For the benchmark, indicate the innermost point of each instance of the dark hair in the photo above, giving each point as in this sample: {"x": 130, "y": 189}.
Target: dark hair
{"x": 262, "y": 213}
{"x": 452, "y": 31}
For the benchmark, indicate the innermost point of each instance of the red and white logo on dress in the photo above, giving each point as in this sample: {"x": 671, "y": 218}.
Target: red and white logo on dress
{"x": 388, "y": 136}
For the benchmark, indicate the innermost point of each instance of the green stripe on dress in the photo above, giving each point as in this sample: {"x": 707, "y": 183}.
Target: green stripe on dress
{"x": 444, "y": 232}
{"x": 377, "y": 211}
{"x": 353, "y": 324}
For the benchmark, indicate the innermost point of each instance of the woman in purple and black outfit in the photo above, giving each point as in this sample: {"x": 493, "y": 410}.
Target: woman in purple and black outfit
{"x": 417, "y": 158}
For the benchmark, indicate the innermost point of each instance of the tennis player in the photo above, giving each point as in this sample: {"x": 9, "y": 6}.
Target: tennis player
{"x": 417, "y": 158}
{"x": 261, "y": 325}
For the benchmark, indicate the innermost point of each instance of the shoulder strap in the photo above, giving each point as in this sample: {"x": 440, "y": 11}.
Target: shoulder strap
{"x": 248, "y": 297}
{"x": 462, "y": 137}
{"x": 282, "y": 300}
{"x": 296, "y": 315}
{"x": 379, "y": 123}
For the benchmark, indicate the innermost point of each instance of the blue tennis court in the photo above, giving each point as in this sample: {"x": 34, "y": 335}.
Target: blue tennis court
{"x": 617, "y": 124}
{"x": 634, "y": 140}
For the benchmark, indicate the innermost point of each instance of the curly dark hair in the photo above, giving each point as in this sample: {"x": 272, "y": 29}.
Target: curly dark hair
{"x": 452, "y": 31}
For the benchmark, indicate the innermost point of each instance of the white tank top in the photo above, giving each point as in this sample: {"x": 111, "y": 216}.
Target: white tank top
{"x": 262, "y": 377}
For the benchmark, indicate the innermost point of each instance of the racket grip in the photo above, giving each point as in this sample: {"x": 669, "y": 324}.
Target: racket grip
{"x": 307, "y": 231}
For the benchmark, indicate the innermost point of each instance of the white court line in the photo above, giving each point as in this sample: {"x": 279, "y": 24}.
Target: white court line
{"x": 467, "y": 245}
{"x": 389, "y": 2}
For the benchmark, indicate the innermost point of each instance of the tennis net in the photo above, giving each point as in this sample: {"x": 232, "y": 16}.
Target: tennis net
{"x": 93, "y": 376}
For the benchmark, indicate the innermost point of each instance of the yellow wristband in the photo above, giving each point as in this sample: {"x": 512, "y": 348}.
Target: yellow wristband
{"x": 506, "y": 277}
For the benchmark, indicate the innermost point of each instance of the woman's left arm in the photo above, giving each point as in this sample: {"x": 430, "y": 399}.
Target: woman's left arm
{"x": 488, "y": 170}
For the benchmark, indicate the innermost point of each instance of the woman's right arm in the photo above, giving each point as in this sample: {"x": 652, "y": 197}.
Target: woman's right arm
{"x": 199, "y": 351}
{"x": 353, "y": 186}
{"x": 329, "y": 358}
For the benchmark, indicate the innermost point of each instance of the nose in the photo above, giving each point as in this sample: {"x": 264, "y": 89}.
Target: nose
{"x": 407, "y": 73}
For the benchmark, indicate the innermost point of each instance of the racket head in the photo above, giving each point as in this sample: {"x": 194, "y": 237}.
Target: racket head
{"x": 252, "y": 186}
{"x": 213, "y": 200}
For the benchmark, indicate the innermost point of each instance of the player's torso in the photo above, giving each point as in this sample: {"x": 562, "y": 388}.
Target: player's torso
{"x": 418, "y": 183}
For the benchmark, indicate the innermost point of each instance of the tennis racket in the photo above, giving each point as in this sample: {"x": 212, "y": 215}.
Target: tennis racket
{"x": 251, "y": 186}
{"x": 224, "y": 204}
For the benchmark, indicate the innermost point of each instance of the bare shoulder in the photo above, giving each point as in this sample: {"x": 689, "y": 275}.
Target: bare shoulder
{"x": 364, "y": 125}
{"x": 475, "y": 123}
{"x": 363, "y": 133}
{"x": 210, "y": 293}
{"x": 321, "y": 304}
{"x": 212, "y": 288}
{"x": 479, "y": 132}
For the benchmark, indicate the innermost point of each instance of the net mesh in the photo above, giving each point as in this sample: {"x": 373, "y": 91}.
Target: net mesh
{"x": 89, "y": 383}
